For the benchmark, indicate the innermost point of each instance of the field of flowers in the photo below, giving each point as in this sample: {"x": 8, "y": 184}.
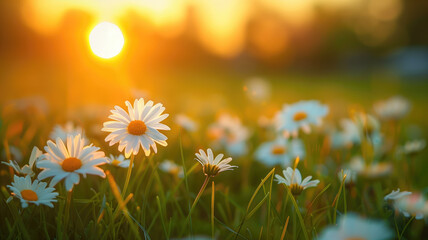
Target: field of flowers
{"x": 261, "y": 158}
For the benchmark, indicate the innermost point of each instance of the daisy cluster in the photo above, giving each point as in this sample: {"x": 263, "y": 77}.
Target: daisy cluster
{"x": 354, "y": 155}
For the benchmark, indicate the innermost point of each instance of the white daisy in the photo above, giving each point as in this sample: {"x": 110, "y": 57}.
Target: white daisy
{"x": 347, "y": 137}
{"x": 280, "y": 152}
{"x": 373, "y": 170}
{"x": 68, "y": 160}
{"x": 118, "y": 161}
{"x": 171, "y": 167}
{"x": 412, "y": 205}
{"x": 228, "y": 132}
{"x": 27, "y": 169}
{"x": 138, "y": 127}
{"x": 32, "y": 192}
{"x": 393, "y": 108}
{"x": 257, "y": 89}
{"x": 351, "y": 176}
{"x": 412, "y": 147}
{"x": 300, "y": 115}
{"x": 213, "y": 165}
{"x": 63, "y": 132}
{"x": 395, "y": 195}
{"x": 351, "y": 226}
{"x": 293, "y": 179}
{"x": 186, "y": 123}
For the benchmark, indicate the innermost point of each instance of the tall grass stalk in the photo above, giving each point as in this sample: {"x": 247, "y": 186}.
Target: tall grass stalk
{"x": 128, "y": 175}
{"x": 67, "y": 211}
{"x": 299, "y": 215}
{"x": 212, "y": 209}
{"x": 336, "y": 199}
{"x": 252, "y": 199}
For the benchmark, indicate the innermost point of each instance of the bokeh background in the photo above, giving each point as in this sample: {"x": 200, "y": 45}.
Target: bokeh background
{"x": 195, "y": 55}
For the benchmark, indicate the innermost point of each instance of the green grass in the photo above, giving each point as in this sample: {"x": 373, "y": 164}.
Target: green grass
{"x": 248, "y": 204}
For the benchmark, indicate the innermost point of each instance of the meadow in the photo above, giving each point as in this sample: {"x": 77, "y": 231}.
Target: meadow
{"x": 170, "y": 195}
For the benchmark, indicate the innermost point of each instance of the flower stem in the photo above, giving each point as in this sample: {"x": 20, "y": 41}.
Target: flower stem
{"x": 204, "y": 185}
{"x": 212, "y": 210}
{"x": 128, "y": 175}
{"x": 67, "y": 211}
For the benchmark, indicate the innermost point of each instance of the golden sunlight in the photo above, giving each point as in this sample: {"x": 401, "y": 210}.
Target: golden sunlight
{"x": 106, "y": 40}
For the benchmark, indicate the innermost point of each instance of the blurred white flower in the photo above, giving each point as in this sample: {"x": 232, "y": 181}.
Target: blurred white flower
{"x": 68, "y": 160}
{"x": 351, "y": 176}
{"x": 186, "y": 123}
{"x": 138, "y": 127}
{"x": 280, "y": 152}
{"x": 32, "y": 191}
{"x": 171, "y": 167}
{"x": 372, "y": 170}
{"x": 369, "y": 128}
{"x": 293, "y": 179}
{"x": 414, "y": 204}
{"x": 351, "y": 226}
{"x": 300, "y": 115}
{"x": 393, "y": 108}
{"x": 349, "y": 136}
{"x": 395, "y": 195}
{"x": 412, "y": 147}
{"x": 213, "y": 165}
{"x": 63, "y": 132}
{"x": 118, "y": 161}
{"x": 27, "y": 169}
{"x": 257, "y": 89}
{"x": 228, "y": 132}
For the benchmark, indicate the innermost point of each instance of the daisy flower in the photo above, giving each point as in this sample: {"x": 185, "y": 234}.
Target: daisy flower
{"x": 347, "y": 137}
{"x": 351, "y": 226}
{"x": 27, "y": 169}
{"x": 32, "y": 191}
{"x": 351, "y": 176}
{"x": 395, "y": 195}
{"x": 171, "y": 167}
{"x": 63, "y": 132}
{"x": 368, "y": 127}
{"x": 186, "y": 123}
{"x": 280, "y": 152}
{"x": 394, "y": 108}
{"x": 228, "y": 132}
{"x": 138, "y": 127}
{"x": 412, "y": 147}
{"x": 293, "y": 179}
{"x": 257, "y": 89}
{"x": 213, "y": 165}
{"x": 372, "y": 170}
{"x": 412, "y": 205}
{"x": 68, "y": 160}
{"x": 300, "y": 115}
{"x": 118, "y": 161}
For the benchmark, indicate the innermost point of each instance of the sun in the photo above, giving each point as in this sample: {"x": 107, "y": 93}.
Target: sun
{"x": 106, "y": 40}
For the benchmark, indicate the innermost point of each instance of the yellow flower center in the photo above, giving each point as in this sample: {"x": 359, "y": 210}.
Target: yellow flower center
{"x": 296, "y": 189}
{"x": 71, "y": 164}
{"x": 137, "y": 127}
{"x": 298, "y": 116}
{"x": 211, "y": 170}
{"x": 115, "y": 162}
{"x": 29, "y": 195}
{"x": 278, "y": 150}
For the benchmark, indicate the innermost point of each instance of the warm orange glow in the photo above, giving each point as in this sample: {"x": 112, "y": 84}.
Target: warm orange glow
{"x": 106, "y": 40}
